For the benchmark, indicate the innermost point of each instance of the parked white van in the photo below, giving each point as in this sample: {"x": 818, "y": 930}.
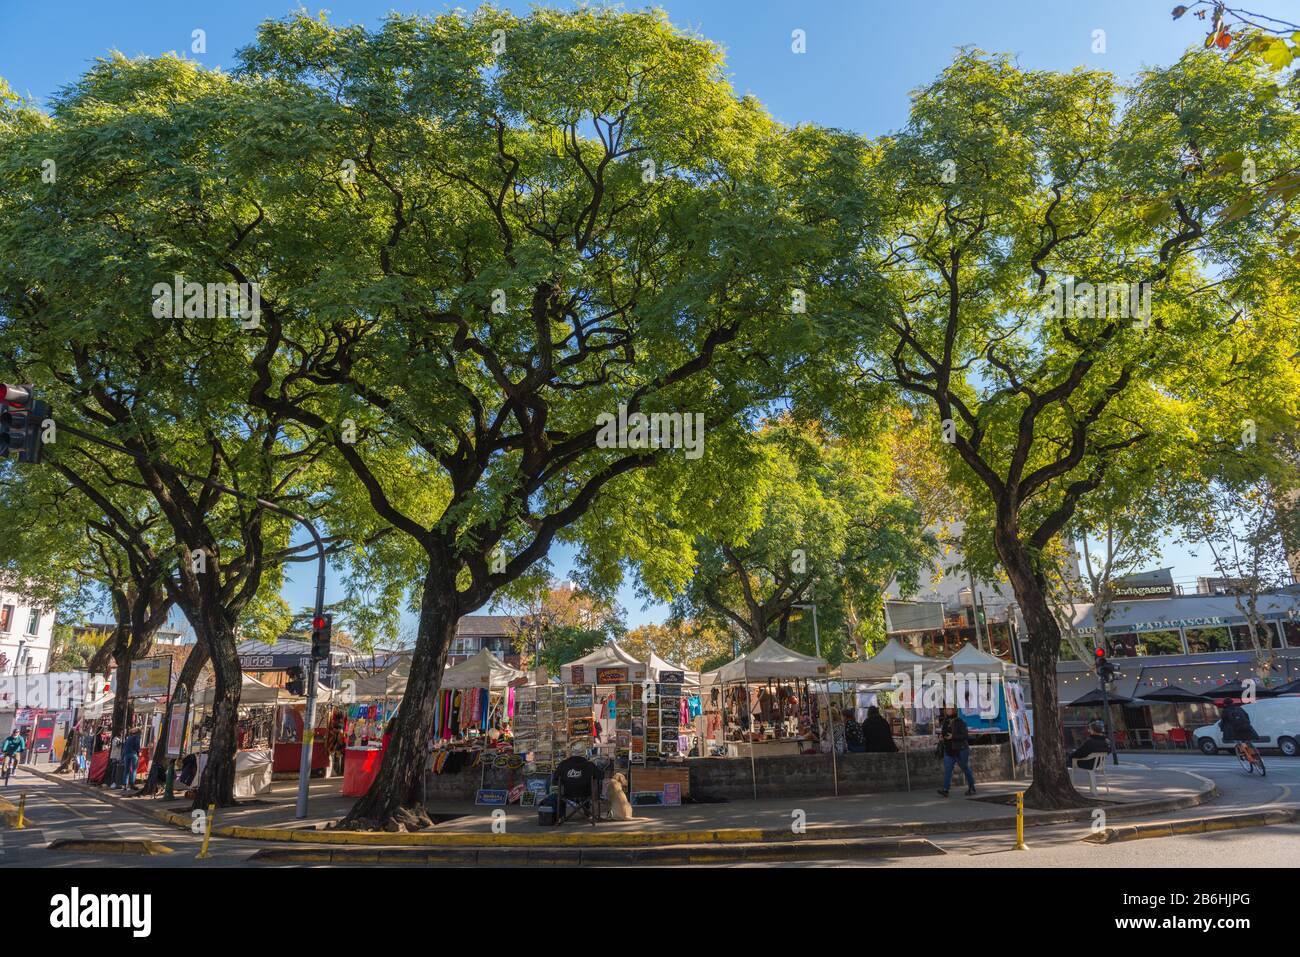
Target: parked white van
{"x": 1275, "y": 720}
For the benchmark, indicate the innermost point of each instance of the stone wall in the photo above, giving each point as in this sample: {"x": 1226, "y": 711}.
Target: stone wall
{"x": 804, "y": 775}
{"x": 810, "y": 775}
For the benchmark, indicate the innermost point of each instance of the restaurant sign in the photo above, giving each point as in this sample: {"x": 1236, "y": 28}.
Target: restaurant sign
{"x": 1209, "y": 621}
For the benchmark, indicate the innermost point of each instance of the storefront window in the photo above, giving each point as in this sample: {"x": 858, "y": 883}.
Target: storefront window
{"x": 1160, "y": 643}
{"x": 1266, "y": 635}
{"x": 1203, "y": 640}
{"x": 1123, "y": 645}
{"x": 1292, "y": 630}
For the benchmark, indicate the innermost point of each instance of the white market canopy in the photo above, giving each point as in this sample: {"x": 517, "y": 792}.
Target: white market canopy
{"x": 970, "y": 660}
{"x": 608, "y": 656}
{"x": 768, "y": 661}
{"x": 893, "y": 659}
{"x": 251, "y": 692}
{"x": 659, "y": 665}
{"x": 483, "y": 670}
{"x": 390, "y": 683}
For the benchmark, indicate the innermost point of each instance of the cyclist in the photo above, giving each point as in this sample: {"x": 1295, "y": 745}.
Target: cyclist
{"x": 11, "y": 748}
{"x": 1235, "y": 726}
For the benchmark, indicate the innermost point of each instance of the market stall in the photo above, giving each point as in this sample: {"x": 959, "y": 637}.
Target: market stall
{"x": 768, "y": 705}
{"x": 473, "y": 718}
{"x": 255, "y": 733}
{"x": 290, "y": 716}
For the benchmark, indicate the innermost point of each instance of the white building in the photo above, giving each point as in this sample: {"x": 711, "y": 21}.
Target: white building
{"x": 25, "y": 635}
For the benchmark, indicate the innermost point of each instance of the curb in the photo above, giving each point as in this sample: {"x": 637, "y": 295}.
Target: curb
{"x": 607, "y": 857}
{"x": 145, "y": 848}
{"x": 592, "y": 838}
{"x": 1198, "y": 825}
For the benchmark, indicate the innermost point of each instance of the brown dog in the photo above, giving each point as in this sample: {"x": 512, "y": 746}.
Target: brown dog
{"x": 619, "y": 807}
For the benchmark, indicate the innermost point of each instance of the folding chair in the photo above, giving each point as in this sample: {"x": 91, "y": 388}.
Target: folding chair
{"x": 582, "y": 795}
{"x": 1092, "y": 764}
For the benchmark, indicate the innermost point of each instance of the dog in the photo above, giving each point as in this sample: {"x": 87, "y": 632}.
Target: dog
{"x": 619, "y": 807}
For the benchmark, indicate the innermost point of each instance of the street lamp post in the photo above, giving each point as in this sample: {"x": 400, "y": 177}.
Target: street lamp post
{"x": 817, "y": 642}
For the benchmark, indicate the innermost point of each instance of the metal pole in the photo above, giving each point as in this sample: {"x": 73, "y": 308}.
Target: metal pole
{"x": 309, "y": 719}
{"x": 1105, "y": 717}
{"x": 817, "y": 643}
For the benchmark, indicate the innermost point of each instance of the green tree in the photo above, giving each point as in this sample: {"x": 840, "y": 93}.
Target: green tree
{"x": 481, "y": 236}
{"x": 1005, "y": 185}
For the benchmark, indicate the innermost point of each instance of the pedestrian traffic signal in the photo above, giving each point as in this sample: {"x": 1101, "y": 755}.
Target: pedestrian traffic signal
{"x": 321, "y": 627}
{"x": 21, "y": 418}
{"x": 294, "y": 682}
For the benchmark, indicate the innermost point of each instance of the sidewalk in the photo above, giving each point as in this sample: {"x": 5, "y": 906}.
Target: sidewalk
{"x": 1134, "y": 792}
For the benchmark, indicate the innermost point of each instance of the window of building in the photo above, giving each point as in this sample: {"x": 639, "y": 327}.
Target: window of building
{"x": 1292, "y": 629}
{"x": 6, "y": 617}
{"x": 34, "y": 622}
{"x": 1123, "y": 645}
{"x": 1203, "y": 640}
{"x": 1160, "y": 643}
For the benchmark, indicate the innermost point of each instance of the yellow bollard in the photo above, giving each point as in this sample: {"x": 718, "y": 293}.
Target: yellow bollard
{"x": 207, "y": 833}
{"x": 1020, "y": 822}
{"x": 22, "y": 809}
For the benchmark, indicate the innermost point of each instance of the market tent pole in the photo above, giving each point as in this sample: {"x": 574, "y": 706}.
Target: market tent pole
{"x": 907, "y": 761}
{"x": 753, "y": 766}
{"x": 835, "y": 770}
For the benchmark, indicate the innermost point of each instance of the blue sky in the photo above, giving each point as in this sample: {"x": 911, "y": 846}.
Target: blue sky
{"x": 862, "y": 59}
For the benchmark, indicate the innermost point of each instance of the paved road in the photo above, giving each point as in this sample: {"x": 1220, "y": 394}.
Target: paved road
{"x": 1274, "y": 846}
{"x": 57, "y": 810}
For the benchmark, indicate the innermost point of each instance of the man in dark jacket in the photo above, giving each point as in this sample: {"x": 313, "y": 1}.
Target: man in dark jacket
{"x": 956, "y": 750}
{"x": 876, "y": 734}
{"x": 1234, "y": 724}
{"x": 1094, "y": 744}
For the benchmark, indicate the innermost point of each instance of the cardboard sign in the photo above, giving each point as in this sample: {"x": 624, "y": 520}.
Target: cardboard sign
{"x": 492, "y": 797}
{"x": 611, "y": 676}
{"x": 577, "y": 674}
{"x": 643, "y": 798}
{"x": 672, "y": 794}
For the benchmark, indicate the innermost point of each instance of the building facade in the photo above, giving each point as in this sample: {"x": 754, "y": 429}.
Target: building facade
{"x": 26, "y": 633}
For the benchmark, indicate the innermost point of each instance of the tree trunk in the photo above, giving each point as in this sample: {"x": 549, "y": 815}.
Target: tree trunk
{"x": 194, "y": 663}
{"x": 394, "y": 800}
{"x": 217, "y": 785}
{"x": 1051, "y": 787}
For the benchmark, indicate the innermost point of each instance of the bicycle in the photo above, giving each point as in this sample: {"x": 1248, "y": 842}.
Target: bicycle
{"x": 1250, "y": 758}
{"x": 10, "y": 763}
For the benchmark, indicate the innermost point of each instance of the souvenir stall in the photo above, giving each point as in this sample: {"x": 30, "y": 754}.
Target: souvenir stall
{"x": 290, "y": 713}
{"x": 255, "y": 733}
{"x": 473, "y": 718}
{"x": 878, "y": 681}
{"x": 770, "y": 704}
{"x": 603, "y": 700}
{"x": 995, "y": 701}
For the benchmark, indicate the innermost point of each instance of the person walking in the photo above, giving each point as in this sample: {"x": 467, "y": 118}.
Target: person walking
{"x": 114, "y": 762}
{"x": 130, "y": 758}
{"x": 956, "y": 750}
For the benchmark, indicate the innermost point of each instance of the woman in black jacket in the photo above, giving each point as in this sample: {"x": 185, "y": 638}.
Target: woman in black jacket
{"x": 876, "y": 735}
{"x": 956, "y": 750}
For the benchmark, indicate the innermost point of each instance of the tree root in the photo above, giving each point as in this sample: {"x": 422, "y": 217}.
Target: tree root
{"x": 404, "y": 820}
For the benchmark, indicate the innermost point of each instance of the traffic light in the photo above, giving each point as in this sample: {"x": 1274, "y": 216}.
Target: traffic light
{"x": 21, "y": 418}
{"x": 1105, "y": 670}
{"x": 321, "y": 627}
{"x": 294, "y": 682}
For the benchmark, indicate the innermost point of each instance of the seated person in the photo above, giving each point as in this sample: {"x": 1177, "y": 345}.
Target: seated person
{"x": 1094, "y": 746}
{"x": 853, "y": 740}
{"x": 189, "y": 768}
{"x": 877, "y": 738}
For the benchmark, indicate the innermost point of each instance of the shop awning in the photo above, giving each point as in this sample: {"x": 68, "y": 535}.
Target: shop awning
{"x": 768, "y": 661}
{"x": 609, "y": 656}
{"x": 891, "y": 660}
{"x": 251, "y": 692}
{"x": 483, "y": 670}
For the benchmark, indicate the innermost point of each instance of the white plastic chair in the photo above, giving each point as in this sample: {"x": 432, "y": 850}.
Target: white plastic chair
{"x": 1093, "y": 764}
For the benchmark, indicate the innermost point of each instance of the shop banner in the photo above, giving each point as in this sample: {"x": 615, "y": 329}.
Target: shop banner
{"x": 150, "y": 677}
